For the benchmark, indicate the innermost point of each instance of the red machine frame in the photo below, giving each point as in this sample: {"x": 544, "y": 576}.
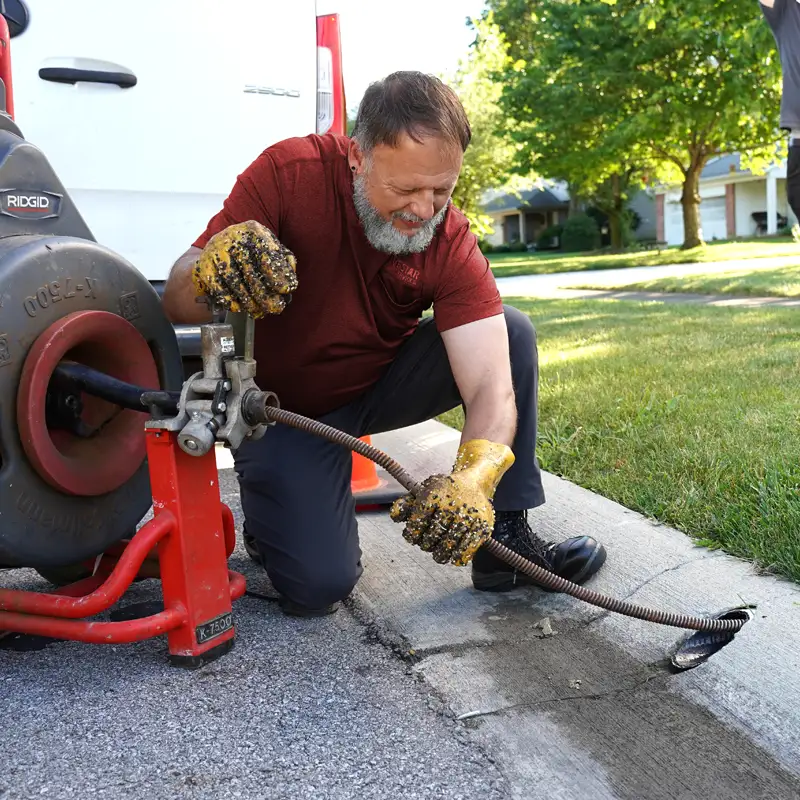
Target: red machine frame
{"x": 5, "y": 65}
{"x": 186, "y": 545}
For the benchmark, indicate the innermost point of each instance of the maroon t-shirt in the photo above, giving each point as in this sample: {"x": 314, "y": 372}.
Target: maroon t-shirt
{"x": 354, "y": 306}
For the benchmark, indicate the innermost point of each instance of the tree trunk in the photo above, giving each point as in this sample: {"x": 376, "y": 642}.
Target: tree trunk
{"x": 615, "y": 226}
{"x": 615, "y": 217}
{"x": 690, "y": 200}
{"x": 574, "y": 202}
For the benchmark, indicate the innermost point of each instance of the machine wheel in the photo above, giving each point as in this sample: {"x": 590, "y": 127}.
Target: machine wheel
{"x": 73, "y": 469}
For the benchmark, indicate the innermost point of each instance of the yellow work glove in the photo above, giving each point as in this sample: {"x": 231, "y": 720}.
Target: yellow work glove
{"x": 245, "y": 268}
{"x": 452, "y": 516}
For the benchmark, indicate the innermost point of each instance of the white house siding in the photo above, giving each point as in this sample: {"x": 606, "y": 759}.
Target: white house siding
{"x": 753, "y": 193}
{"x": 644, "y": 205}
{"x": 495, "y": 238}
{"x": 673, "y": 218}
{"x": 751, "y": 196}
{"x": 713, "y": 220}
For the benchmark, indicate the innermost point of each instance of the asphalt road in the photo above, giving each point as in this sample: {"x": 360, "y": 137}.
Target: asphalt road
{"x": 298, "y": 709}
{"x": 422, "y": 688}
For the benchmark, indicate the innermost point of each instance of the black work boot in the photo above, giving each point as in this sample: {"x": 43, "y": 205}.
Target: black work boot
{"x": 575, "y": 559}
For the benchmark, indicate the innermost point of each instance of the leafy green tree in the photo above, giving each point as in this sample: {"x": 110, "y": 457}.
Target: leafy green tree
{"x": 490, "y": 158}
{"x": 352, "y": 113}
{"x": 611, "y": 197}
{"x": 565, "y": 128}
{"x": 601, "y": 88}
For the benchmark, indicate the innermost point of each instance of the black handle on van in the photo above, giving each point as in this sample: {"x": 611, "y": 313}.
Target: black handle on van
{"x": 125, "y": 80}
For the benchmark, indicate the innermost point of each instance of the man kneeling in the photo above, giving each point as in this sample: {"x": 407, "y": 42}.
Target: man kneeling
{"x": 362, "y": 234}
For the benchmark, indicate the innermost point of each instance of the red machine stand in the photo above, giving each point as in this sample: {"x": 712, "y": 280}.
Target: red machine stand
{"x": 186, "y": 545}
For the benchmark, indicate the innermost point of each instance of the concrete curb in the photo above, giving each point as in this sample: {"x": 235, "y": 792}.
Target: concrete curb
{"x": 592, "y": 711}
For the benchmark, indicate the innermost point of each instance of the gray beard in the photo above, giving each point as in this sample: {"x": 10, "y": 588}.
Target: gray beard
{"x": 382, "y": 235}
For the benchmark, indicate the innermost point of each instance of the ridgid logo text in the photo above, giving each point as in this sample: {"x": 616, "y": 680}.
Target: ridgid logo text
{"x": 28, "y": 201}
{"x": 27, "y": 204}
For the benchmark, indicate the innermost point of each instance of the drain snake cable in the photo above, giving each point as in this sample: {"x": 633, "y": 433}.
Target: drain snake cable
{"x": 542, "y": 576}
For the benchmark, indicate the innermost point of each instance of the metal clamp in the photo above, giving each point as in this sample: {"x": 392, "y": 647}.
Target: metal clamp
{"x": 210, "y": 406}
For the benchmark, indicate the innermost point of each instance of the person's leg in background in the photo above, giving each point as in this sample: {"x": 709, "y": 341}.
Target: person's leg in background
{"x": 420, "y": 386}
{"x": 793, "y": 177}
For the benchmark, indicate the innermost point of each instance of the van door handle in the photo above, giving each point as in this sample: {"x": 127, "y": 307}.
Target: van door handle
{"x": 87, "y": 70}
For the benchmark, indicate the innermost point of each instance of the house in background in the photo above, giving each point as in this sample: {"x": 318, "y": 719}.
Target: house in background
{"x": 734, "y": 203}
{"x": 522, "y": 215}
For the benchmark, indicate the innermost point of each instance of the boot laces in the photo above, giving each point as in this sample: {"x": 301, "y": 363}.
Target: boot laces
{"x": 512, "y": 530}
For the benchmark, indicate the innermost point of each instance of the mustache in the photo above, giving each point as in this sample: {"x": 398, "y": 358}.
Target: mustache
{"x": 407, "y": 216}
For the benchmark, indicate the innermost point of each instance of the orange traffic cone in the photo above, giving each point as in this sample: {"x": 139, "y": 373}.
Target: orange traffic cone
{"x": 370, "y": 489}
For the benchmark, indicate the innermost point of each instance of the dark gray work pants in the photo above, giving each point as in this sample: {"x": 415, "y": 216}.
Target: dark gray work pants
{"x": 295, "y": 487}
{"x": 793, "y": 177}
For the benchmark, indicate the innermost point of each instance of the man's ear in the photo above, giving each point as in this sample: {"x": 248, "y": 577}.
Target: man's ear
{"x": 356, "y": 158}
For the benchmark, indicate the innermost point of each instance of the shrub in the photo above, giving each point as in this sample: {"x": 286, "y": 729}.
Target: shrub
{"x": 631, "y": 221}
{"x": 581, "y": 233}
{"x": 547, "y": 238}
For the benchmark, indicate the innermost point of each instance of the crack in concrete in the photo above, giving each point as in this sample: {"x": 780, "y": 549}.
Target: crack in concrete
{"x": 417, "y": 654}
{"x": 649, "y": 580}
{"x": 616, "y": 692}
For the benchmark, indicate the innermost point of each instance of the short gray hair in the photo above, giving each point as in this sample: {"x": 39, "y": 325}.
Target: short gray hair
{"x": 410, "y": 103}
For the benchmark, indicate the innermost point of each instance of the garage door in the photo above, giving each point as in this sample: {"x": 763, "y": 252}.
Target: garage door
{"x": 712, "y": 218}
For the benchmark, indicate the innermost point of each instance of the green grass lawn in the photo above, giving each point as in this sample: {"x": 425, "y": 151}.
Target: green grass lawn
{"x": 505, "y": 265}
{"x": 779, "y": 282}
{"x": 687, "y": 414}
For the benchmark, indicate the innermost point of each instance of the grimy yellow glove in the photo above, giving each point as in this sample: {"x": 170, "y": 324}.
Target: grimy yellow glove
{"x": 245, "y": 268}
{"x": 452, "y": 516}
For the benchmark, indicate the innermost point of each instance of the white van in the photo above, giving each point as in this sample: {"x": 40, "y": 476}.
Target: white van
{"x": 148, "y": 110}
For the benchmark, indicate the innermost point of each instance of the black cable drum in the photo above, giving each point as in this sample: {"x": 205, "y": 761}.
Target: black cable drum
{"x": 44, "y": 279}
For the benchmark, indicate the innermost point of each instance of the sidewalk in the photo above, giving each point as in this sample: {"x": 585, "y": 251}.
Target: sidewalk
{"x": 562, "y": 284}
